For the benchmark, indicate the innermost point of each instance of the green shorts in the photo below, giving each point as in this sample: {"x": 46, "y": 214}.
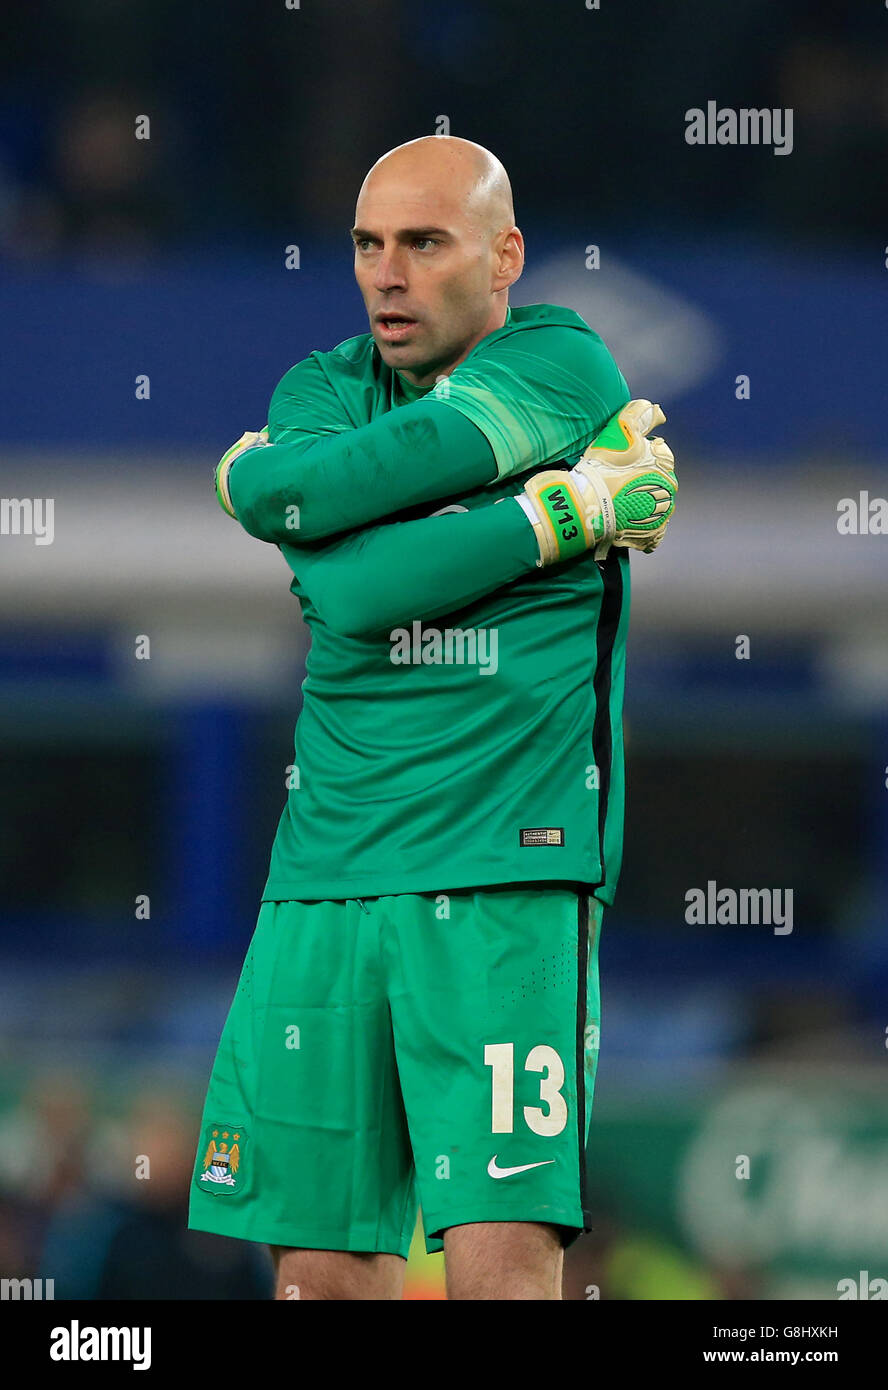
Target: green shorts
{"x": 420, "y": 1049}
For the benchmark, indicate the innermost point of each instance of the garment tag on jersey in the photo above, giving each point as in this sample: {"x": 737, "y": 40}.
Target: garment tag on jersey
{"x": 545, "y": 836}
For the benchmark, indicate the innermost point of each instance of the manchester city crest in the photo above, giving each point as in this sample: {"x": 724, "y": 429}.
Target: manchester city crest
{"x": 223, "y": 1159}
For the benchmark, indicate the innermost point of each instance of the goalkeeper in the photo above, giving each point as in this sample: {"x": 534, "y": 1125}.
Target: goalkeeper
{"x": 417, "y": 1018}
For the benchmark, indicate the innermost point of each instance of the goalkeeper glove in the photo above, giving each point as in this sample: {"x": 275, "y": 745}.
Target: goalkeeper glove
{"x": 250, "y": 440}
{"x": 621, "y": 492}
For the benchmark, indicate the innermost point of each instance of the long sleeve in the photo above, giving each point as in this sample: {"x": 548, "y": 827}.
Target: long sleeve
{"x": 392, "y": 574}
{"x": 417, "y": 454}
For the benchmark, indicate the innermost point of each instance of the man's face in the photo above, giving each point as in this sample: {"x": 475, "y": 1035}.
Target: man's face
{"x": 426, "y": 271}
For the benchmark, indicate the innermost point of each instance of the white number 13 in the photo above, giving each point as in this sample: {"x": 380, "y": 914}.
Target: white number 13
{"x": 500, "y": 1057}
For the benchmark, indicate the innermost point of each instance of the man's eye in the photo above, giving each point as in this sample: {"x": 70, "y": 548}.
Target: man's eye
{"x": 425, "y": 241}
{"x": 363, "y": 244}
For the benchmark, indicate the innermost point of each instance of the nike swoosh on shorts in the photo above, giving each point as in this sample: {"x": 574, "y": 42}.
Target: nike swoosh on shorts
{"x": 496, "y": 1172}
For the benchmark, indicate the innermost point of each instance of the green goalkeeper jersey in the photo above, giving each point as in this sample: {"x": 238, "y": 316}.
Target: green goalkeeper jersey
{"x": 483, "y": 745}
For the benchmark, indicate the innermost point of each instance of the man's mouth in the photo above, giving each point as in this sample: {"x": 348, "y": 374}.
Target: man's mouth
{"x": 394, "y": 326}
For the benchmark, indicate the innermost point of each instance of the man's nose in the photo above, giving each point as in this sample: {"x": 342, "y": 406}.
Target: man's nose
{"x": 390, "y": 271}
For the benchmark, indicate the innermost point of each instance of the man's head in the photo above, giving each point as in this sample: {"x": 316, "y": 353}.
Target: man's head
{"x": 436, "y": 249}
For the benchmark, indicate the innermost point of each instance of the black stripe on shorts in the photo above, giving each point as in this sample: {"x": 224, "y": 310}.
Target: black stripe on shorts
{"x": 582, "y": 965}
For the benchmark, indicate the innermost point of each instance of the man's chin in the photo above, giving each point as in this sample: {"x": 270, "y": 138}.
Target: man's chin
{"x": 409, "y": 356}
{"x": 404, "y": 354}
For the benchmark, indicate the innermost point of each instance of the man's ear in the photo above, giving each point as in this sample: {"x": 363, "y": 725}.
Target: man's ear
{"x": 511, "y": 259}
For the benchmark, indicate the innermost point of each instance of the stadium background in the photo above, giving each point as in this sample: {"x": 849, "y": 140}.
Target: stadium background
{"x": 121, "y": 776}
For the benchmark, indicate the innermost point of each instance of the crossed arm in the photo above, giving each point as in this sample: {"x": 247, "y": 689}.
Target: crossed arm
{"x": 378, "y": 576}
{"x": 417, "y": 454}
{"x": 507, "y": 409}
{"x": 340, "y": 476}
{"x": 391, "y": 574}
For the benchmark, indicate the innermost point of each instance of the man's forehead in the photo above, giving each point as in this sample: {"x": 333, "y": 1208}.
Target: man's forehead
{"x": 416, "y": 206}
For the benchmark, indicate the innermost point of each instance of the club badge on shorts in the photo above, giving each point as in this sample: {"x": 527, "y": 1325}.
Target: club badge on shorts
{"x": 220, "y": 1169}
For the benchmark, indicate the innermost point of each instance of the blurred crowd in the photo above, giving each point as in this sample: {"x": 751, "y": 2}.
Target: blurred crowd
{"x": 98, "y": 1202}
{"x": 264, "y": 120}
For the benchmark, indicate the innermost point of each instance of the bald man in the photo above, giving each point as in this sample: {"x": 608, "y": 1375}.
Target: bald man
{"x": 417, "y": 1018}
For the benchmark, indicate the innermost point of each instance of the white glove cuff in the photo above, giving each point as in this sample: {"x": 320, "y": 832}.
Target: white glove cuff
{"x": 603, "y": 508}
